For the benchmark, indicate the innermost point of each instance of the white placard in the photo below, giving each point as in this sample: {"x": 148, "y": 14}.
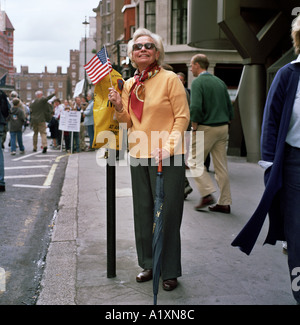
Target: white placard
{"x": 123, "y": 49}
{"x": 70, "y": 121}
{"x": 79, "y": 88}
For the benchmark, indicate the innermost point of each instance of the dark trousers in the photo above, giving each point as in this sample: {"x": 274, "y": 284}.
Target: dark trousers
{"x": 290, "y": 207}
{"x": 143, "y": 186}
{"x": 76, "y": 142}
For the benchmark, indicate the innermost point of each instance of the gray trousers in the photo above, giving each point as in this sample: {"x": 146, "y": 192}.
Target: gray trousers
{"x": 143, "y": 178}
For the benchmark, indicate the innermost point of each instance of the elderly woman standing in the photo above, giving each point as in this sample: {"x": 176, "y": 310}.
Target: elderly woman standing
{"x": 155, "y": 109}
{"x": 280, "y": 147}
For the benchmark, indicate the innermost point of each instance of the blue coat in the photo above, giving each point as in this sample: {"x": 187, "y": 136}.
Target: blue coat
{"x": 276, "y": 121}
{"x": 89, "y": 114}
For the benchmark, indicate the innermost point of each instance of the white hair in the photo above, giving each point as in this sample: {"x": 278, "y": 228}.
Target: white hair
{"x": 156, "y": 40}
{"x": 296, "y": 34}
{"x": 38, "y": 93}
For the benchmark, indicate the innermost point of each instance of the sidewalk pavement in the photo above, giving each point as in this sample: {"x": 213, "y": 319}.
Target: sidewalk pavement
{"x": 214, "y": 272}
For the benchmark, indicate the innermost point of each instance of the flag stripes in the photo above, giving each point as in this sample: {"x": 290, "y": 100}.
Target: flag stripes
{"x": 99, "y": 66}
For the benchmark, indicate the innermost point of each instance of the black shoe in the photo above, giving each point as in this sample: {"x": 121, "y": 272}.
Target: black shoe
{"x": 44, "y": 149}
{"x": 2, "y": 188}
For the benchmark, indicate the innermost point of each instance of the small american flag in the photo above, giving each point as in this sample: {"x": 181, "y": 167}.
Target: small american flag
{"x": 99, "y": 66}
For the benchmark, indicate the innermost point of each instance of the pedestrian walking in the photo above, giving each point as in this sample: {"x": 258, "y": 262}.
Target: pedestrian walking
{"x": 4, "y": 113}
{"x": 154, "y": 103}
{"x": 187, "y": 189}
{"x": 280, "y": 152}
{"x": 211, "y": 113}
{"x": 16, "y": 122}
{"x": 40, "y": 113}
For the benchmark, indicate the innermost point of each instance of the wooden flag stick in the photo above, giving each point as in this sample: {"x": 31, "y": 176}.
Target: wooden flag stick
{"x": 109, "y": 72}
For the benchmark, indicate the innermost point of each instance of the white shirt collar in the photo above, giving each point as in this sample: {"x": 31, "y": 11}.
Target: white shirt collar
{"x": 297, "y": 60}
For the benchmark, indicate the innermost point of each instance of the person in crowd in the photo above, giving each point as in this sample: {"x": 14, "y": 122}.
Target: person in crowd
{"x": 4, "y": 114}
{"x": 211, "y": 113}
{"x": 154, "y": 104}
{"x": 187, "y": 189}
{"x": 280, "y": 152}
{"x": 89, "y": 119}
{"x": 40, "y": 113}
{"x": 54, "y": 123}
{"x": 83, "y": 130}
{"x": 182, "y": 77}
{"x": 67, "y": 135}
{"x": 14, "y": 95}
{"x": 16, "y": 122}
{"x": 67, "y": 103}
{"x": 76, "y": 135}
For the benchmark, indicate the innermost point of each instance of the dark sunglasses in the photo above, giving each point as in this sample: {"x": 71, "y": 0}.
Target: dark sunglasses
{"x": 139, "y": 46}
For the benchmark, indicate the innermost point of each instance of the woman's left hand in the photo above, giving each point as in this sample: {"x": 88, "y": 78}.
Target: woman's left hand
{"x": 160, "y": 154}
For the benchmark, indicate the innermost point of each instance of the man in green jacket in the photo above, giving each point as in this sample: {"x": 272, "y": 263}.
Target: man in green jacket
{"x": 40, "y": 113}
{"x": 211, "y": 113}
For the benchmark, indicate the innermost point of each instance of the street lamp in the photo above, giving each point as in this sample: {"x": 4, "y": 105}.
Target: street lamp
{"x": 85, "y": 23}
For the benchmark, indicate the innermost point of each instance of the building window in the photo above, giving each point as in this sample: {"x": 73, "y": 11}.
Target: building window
{"x": 108, "y": 39}
{"x": 28, "y": 85}
{"x": 107, "y": 6}
{"x": 150, "y": 17}
{"x": 179, "y": 22}
{"x": 137, "y": 15}
{"x": 132, "y": 30}
{"x": 60, "y": 84}
{"x": 41, "y": 84}
{"x": 28, "y": 97}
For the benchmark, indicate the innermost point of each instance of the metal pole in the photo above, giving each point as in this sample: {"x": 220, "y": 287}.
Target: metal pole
{"x": 85, "y": 74}
{"x": 111, "y": 214}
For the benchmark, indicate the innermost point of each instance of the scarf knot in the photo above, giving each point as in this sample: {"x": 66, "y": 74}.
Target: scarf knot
{"x": 137, "y": 91}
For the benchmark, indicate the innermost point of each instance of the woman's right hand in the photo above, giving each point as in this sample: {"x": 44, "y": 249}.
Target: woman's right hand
{"x": 115, "y": 98}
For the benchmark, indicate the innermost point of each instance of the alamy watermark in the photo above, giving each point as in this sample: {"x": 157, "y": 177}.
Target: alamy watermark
{"x": 139, "y": 144}
{"x": 296, "y": 280}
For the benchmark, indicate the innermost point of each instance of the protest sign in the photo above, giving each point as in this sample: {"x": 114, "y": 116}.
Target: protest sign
{"x": 70, "y": 121}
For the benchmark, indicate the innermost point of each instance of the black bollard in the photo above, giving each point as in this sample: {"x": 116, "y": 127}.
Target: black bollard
{"x": 111, "y": 213}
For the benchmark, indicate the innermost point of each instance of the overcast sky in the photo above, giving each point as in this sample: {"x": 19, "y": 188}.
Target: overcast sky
{"x": 46, "y": 31}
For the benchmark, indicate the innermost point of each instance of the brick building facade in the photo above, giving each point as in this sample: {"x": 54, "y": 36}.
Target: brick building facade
{"x": 26, "y": 83}
{"x": 6, "y": 49}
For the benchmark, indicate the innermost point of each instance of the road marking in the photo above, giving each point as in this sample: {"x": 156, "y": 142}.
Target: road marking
{"x": 24, "y": 176}
{"x": 27, "y": 156}
{"x": 26, "y": 167}
{"x": 43, "y": 156}
{"x": 38, "y": 161}
{"x": 50, "y": 176}
{"x": 31, "y": 186}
